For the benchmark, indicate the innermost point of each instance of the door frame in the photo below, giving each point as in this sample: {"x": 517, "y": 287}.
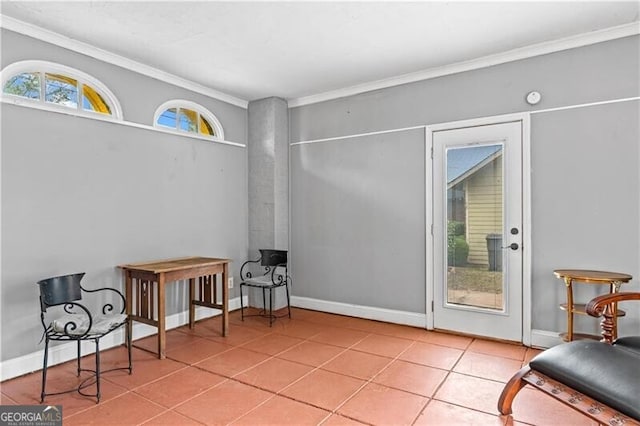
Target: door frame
{"x": 525, "y": 119}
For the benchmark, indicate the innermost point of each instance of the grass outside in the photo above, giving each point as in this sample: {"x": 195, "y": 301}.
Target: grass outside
{"x": 475, "y": 285}
{"x": 474, "y": 278}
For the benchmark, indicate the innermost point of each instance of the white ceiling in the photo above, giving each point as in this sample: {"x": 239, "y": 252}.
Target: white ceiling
{"x": 253, "y": 50}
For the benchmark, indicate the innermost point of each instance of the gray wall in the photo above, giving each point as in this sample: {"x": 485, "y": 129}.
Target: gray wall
{"x": 585, "y": 183}
{"x": 593, "y": 73}
{"x": 357, "y": 220}
{"x": 585, "y": 200}
{"x": 86, "y": 195}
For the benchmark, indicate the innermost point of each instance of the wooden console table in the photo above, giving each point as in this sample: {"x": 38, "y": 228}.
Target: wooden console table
{"x": 612, "y": 279}
{"x": 149, "y": 280}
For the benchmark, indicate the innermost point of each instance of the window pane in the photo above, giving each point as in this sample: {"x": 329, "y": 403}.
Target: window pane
{"x": 61, "y": 90}
{"x": 206, "y": 128}
{"x": 168, "y": 118}
{"x": 26, "y": 84}
{"x": 475, "y": 227}
{"x": 92, "y": 101}
{"x": 188, "y": 119}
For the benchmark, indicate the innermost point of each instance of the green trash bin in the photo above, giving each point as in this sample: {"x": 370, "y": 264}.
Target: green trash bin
{"x": 494, "y": 248}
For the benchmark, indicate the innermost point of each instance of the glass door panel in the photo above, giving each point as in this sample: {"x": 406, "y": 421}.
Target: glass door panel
{"x": 474, "y": 226}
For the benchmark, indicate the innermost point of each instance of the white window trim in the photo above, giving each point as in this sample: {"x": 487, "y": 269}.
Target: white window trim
{"x": 181, "y": 103}
{"x": 109, "y": 119}
{"x": 37, "y": 66}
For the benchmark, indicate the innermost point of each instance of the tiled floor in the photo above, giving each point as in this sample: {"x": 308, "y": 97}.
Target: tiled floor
{"x": 316, "y": 368}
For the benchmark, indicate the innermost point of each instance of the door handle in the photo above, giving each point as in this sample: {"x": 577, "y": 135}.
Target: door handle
{"x": 512, "y": 246}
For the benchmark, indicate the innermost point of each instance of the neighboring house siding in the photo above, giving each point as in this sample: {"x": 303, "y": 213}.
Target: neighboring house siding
{"x": 484, "y": 209}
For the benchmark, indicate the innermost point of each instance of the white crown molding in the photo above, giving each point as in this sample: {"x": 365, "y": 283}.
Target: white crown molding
{"x": 572, "y": 42}
{"x": 30, "y": 30}
{"x": 28, "y": 103}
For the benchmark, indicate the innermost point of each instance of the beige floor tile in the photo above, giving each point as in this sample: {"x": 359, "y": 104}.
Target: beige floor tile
{"x": 444, "y": 339}
{"x": 504, "y": 350}
{"x": 382, "y": 345}
{"x": 432, "y": 355}
{"x": 356, "y": 364}
{"x": 274, "y": 374}
{"x": 272, "y": 344}
{"x": 410, "y": 377}
{"x": 323, "y": 389}
{"x": 338, "y": 420}
{"x": 224, "y": 403}
{"x": 232, "y": 362}
{"x": 471, "y": 392}
{"x": 180, "y": 386}
{"x": 439, "y": 413}
{"x": 342, "y": 337}
{"x": 127, "y": 409}
{"x": 197, "y": 351}
{"x": 171, "y": 418}
{"x": 283, "y": 411}
{"x": 487, "y": 366}
{"x": 380, "y": 405}
{"x": 311, "y": 353}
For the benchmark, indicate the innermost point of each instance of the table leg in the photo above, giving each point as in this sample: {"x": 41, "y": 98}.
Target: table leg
{"x": 129, "y": 301}
{"x": 192, "y": 307}
{"x": 161, "y": 318}
{"x": 225, "y": 299}
{"x": 568, "y": 281}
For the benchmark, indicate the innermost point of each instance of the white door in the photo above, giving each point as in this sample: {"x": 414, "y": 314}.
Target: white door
{"x": 477, "y": 230}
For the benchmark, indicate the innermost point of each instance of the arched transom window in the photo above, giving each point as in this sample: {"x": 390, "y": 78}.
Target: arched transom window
{"x": 189, "y": 117}
{"x": 51, "y": 84}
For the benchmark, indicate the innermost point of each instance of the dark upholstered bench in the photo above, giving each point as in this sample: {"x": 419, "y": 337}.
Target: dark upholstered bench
{"x": 599, "y": 379}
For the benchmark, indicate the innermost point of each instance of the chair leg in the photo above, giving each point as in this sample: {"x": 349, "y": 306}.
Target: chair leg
{"x": 270, "y": 307}
{"x": 44, "y": 369}
{"x": 286, "y": 286}
{"x": 241, "y": 304}
{"x": 128, "y": 337}
{"x": 511, "y": 389}
{"x": 78, "y": 358}
{"x": 264, "y": 301}
{"x": 97, "y": 370}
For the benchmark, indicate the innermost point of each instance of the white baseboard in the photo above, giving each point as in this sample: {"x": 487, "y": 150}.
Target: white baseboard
{"x": 64, "y": 352}
{"x": 369, "y": 312}
{"x": 539, "y": 338}
{"x": 545, "y": 339}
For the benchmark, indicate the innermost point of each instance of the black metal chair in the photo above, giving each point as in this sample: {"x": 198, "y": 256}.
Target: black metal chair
{"x": 65, "y": 319}
{"x": 275, "y": 275}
